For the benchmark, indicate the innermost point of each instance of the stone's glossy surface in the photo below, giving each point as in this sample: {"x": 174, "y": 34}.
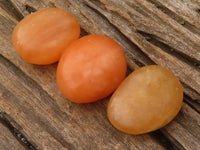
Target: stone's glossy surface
{"x": 146, "y": 100}
{"x": 41, "y": 37}
{"x": 91, "y": 68}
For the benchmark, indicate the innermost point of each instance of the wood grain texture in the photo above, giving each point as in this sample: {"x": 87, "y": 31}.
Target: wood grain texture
{"x": 150, "y": 32}
{"x": 7, "y": 141}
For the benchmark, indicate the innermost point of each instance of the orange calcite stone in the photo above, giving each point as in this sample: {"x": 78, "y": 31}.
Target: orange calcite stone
{"x": 41, "y": 37}
{"x": 148, "y": 99}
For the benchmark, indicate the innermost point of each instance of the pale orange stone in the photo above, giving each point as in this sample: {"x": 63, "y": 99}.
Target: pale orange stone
{"x": 148, "y": 99}
{"x": 41, "y": 37}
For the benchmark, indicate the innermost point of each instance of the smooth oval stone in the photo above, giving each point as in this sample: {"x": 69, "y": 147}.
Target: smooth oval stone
{"x": 148, "y": 99}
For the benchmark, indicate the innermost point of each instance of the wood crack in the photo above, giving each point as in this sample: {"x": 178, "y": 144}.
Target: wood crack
{"x": 30, "y": 9}
{"x": 170, "y": 50}
{"x": 173, "y": 140}
{"x": 198, "y": 10}
{"x": 193, "y": 104}
{"x": 19, "y": 136}
{"x": 176, "y": 17}
{"x": 11, "y": 9}
{"x": 159, "y": 136}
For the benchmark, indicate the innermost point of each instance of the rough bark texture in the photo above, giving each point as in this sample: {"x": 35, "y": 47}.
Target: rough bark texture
{"x": 150, "y": 31}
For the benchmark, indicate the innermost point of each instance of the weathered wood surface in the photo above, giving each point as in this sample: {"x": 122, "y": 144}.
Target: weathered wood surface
{"x": 8, "y": 141}
{"x": 150, "y": 31}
